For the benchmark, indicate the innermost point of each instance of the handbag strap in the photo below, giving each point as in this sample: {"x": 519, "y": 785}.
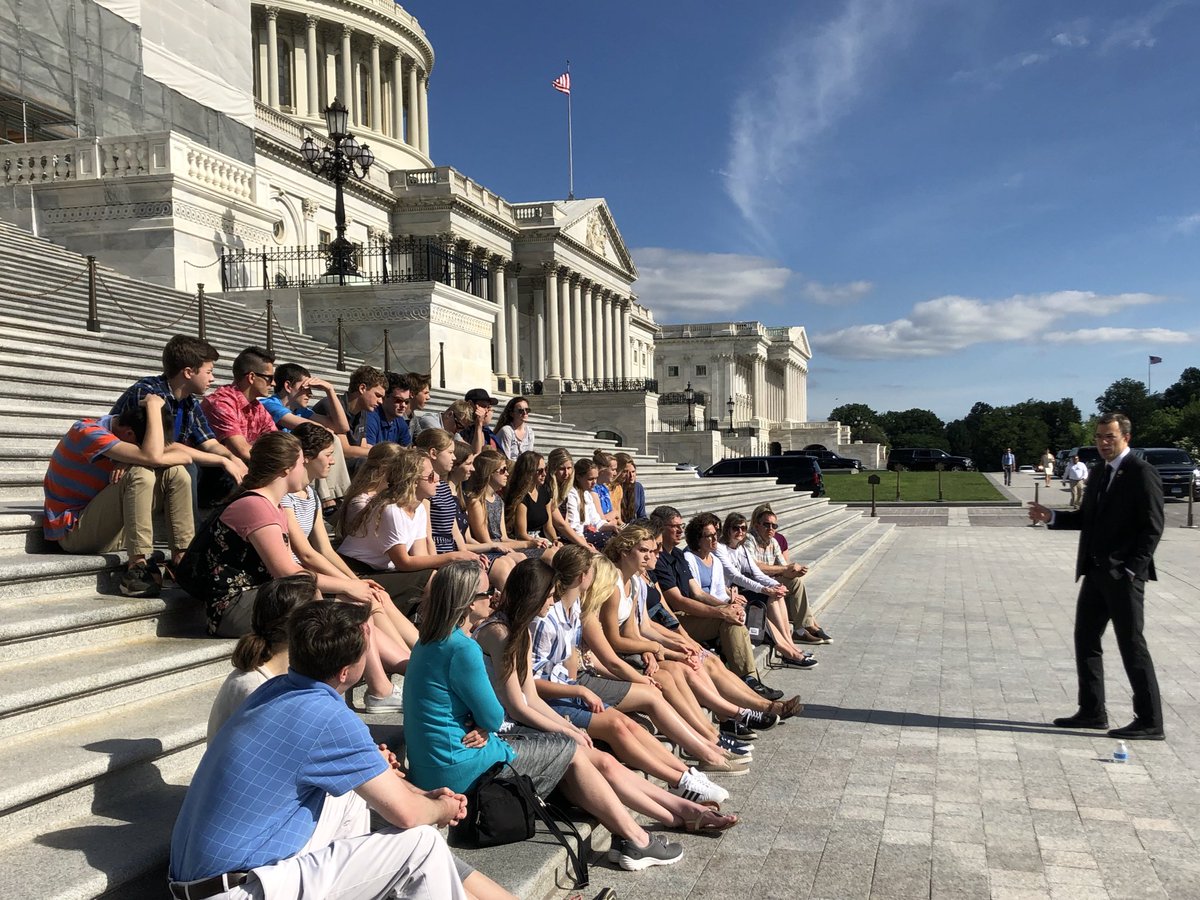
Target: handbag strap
{"x": 577, "y": 862}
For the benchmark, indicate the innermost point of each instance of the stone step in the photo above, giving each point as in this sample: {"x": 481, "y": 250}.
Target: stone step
{"x": 57, "y": 688}
{"x": 124, "y": 834}
{"x": 53, "y": 773}
{"x": 54, "y": 573}
{"x": 37, "y": 625}
{"x": 847, "y": 554}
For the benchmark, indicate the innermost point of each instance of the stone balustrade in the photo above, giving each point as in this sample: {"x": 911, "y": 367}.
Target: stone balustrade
{"x": 127, "y": 156}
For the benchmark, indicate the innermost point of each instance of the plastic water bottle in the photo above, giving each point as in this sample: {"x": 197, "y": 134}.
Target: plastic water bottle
{"x": 1121, "y": 754}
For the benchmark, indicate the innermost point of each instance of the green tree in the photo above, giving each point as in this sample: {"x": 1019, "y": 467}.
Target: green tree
{"x": 914, "y": 428}
{"x": 1128, "y": 396}
{"x": 1186, "y": 390}
{"x": 863, "y": 422}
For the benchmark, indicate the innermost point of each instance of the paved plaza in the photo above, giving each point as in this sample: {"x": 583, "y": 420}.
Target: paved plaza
{"x": 924, "y": 765}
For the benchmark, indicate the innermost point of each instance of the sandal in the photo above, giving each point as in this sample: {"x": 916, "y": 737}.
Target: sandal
{"x": 716, "y": 822}
{"x": 785, "y": 709}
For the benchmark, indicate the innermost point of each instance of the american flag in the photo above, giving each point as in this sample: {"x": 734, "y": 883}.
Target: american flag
{"x": 1155, "y": 360}
{"x": 563, "y": 83}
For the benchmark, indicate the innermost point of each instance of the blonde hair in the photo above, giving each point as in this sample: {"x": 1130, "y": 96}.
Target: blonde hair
{"x": 602, "y": 586}
{"x": 558, "y": 492}
{"x": 487, "y": 463}
{"x": 625, "y": 540}
{"x": 435, "y": 439}
{"x": 401, "y": 477}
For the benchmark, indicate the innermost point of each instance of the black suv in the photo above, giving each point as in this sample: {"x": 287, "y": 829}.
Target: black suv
{"x": 1089, "y": 456}
{"x": 926, "y": 459}
{"x": 802, "y": 471}
{"x": 1176, "y": 469}
{"x": 828, "y": 459}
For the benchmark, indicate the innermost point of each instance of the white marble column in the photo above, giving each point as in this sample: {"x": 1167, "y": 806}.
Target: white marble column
{"x": 538, "y": 338}
{"x": 346, "y": 88}
{"x": 376, "y": 112}
{"x": 498, "y": 297}
{"x": 553, "y": 360}
{"x": 413, "y": 130}
{"x": 603, "y": 332}
{"x": 272, "y": 57}
{"x": 514, "y": 325}
{"x": 397, "y": 130}
{"x": 614, "y": 329}
{"x": 423, "y": 101}
{"x": 759, "y": 387}
{"x": 585, "y": 312}
{"x": 623, "y": 350}
{"x": 311, "y": 60}
{"x": 597, "y": 332}
{"x": 566, "y": 321}
{"x": 577, "y": 318}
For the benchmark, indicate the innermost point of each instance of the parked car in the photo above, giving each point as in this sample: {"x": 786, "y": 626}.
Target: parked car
{"x": 828, "y": 459}
{"x": 802, "y": 471}
{"x": 1026, "y": 470}
{"x": 1176, "y": 469}
{"x": 926, "y": 459}
{"x": 1088, "y": 455}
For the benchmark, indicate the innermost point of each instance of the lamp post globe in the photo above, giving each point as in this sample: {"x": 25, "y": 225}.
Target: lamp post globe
{"x": 729, "y": 405}
{"x": 337, "y": 163}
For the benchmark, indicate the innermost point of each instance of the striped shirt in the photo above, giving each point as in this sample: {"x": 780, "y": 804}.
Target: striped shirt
{"x": 555, "y": 637}
{"x": 305, "y": 510}
{"x": 79, "y": 470}
{"x": 443, "y": 513}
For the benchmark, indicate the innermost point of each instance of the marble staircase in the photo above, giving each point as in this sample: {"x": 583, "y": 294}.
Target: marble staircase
{"x": 104, "y": 717}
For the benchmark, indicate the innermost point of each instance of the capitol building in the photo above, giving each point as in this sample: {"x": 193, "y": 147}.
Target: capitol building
{"x": 166, "y": 138}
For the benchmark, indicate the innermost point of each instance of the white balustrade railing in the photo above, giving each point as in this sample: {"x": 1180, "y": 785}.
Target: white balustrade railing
{"x": 126, "y": 156}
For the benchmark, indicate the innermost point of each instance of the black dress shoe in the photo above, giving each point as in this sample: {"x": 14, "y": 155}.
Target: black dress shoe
{"x": 767, "y": 693}
{"x": 1137, "y": 730}
{"x": 1080, "y": 720}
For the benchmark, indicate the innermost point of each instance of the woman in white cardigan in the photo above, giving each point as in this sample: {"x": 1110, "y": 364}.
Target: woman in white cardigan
{"x": 740, "y": 570}
{"x": 582, "y": 509}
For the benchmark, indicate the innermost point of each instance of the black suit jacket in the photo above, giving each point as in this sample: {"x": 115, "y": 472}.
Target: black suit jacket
{"x": 1121, "y": 529}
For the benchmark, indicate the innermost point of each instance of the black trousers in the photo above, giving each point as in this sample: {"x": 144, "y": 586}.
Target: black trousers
{"x": 1103, "y": 598}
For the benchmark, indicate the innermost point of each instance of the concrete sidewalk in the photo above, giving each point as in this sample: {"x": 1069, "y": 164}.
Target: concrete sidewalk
{"x": 924, "y": 765}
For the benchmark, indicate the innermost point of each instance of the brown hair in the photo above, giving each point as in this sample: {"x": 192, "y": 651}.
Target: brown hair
{"x": 324, "y": 638}
{"x": 371, "y": 476}
{"x": 436, "y": 439}
{"x": 628, "y": 495}
{"x": 451, "y": 592}
{"x": 313, "y": 438}
{"x": 522, "y": 480}
{"x": 400, "y": 478}
{"x": 569, "y": 563}
{"x": 558, "y": 492}
{"x": 525, "y": 591}
{"x": 486, "y": 465}
{"x": 270, "y": 455}
{"x": 186, "y": 352}
{"x": 506, "y": 417}
{"x": 583, "y": 466}
{"x": 273, "y": 604}
{"x": 368, "y": 377}
{"x": 732, "y": 521}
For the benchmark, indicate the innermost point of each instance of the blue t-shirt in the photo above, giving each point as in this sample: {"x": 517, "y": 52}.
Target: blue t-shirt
{"x": 275, "y": 407}
{"x": 258, "y": 791}
{"x": 380, "y": 430}
{"x": 445, "y": 685}
{"x": 605, "y": 498}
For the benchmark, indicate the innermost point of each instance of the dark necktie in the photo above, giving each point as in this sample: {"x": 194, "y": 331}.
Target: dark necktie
{"x": 1108, "y": 473}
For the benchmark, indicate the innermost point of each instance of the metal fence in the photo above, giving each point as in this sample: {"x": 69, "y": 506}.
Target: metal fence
{"x": 398, "y": 261}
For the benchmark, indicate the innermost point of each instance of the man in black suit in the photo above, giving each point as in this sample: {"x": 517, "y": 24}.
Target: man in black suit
{"x": 1120, "y": 520}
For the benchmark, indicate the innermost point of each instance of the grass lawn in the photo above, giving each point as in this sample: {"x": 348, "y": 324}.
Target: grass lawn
{"x": 914, "y": 486}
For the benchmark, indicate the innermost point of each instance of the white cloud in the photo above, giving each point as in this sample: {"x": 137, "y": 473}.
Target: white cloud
{"x": 1072, "y": 39}
{"x": 1186, "y": 224}
{"x": 1137, "y": 32}
{"x": 694, "y": 286}
{"x": 835, "y": 294}
{"x": 945, "y": 325}
{"x": 1119, "y": 335}
{"x": 810, "y": 82}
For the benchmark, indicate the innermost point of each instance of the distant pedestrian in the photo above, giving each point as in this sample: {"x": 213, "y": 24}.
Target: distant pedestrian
{"x": 1008, "y": 463}
{"x": 1048, "y": 465}
{"x": 1077, "y": 475}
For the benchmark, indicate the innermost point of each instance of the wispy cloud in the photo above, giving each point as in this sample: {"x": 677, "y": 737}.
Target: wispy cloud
{"x": 1137, "y": 32}
{"x": 993, "y": 75}
{"x": 946, "y": 325}
{"x": 1186, "y": 225}
{"x": 680, "y": 284}
{"x": 810, "y": 82}
{"x": 1119, "y": 335}
{"x": 835, "y": 294}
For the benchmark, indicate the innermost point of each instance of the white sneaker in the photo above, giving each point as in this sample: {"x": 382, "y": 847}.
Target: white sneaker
{"x": 694, "y": 786}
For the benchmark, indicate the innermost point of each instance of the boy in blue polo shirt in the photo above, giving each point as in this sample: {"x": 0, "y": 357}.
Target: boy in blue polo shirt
{"x": 278, "y": 805}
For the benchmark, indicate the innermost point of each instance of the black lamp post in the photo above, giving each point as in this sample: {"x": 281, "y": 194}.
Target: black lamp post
{"x": 729, "y": 406}
{"x": 337, "y": 163}
{"x": 689, "y": 397}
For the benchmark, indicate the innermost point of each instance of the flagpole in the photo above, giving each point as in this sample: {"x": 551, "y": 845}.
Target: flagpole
{"x": 570, "y": 144}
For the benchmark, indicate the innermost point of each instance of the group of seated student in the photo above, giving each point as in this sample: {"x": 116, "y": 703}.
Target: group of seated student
{"x": 550, "y": 611}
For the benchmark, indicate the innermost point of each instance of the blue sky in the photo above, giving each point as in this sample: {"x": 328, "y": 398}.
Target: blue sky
{"x": 961, "y": 201}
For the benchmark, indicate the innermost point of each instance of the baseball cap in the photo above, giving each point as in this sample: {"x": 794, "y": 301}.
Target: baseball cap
{"x": 480, "y": 396}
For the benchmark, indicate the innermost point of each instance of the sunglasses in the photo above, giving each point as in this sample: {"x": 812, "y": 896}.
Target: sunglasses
{"x": 541, "y": 470}
{"x": 503, "y": 470}
{"x": 739, "y": 527}
{"x": 486, "y": 595}
{"x": 771, "y": 526}
{"x": 522, "y": 409}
